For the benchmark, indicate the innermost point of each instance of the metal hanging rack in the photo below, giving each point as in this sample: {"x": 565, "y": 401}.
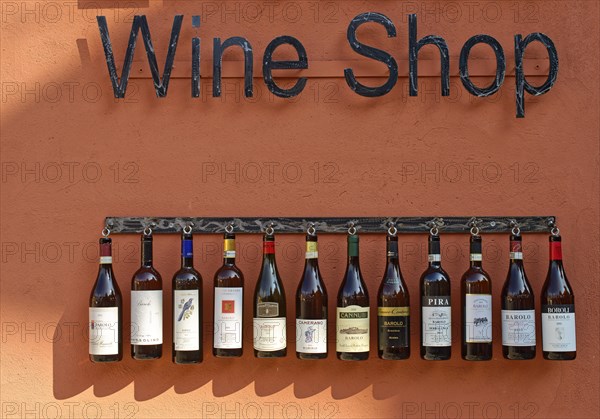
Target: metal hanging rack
{"x": 335, "y": 225}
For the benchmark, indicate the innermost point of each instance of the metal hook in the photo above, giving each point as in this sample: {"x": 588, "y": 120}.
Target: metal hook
{"x": 474, "y": 228}
{"x": 147, "y": 231}
{"x": 187, "y": 229}
{"x": 311, "y": 230}
{"x": 229, "y": 228}
{"x": 270, "y": 230}
{"x": 392, "y": 230}
{"x": 105, "y": 232}
{"x": 352, "y": 229}
{"x": 555, "y": 231}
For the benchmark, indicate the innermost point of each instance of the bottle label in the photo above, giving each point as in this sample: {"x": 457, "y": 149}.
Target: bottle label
{"x": 476, "y": 257}
{"x": 267, "y": 309}
{"x": 104, "y": 330}
{"x": 229, "y": 248}
{"x": 434, "y": 257}
{"x": 269, "y": 333}
{"x": 516, "y": 250}
{"x": 394, "y": 328}
{"x": 311, "y": 336}
{"x": 268, "y": 248}
{"x": 478, "y": 318}
{"x": 312, "y": 250}
{"x": 186, "y": 320}
{"x": 146, "y": 317}
{"x": 228, "y": 317}
{"x": 518, "y": 327}
{"x": 352, "y": 329}
{"x": 437, "y": 321}
{"x": 558, "y": 328}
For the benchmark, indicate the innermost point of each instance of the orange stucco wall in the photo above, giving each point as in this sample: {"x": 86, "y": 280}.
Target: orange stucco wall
{"x": 72, "y": 155}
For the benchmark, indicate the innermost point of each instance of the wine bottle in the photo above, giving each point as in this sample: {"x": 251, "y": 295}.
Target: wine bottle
{"x": 311, "y": 307}
{"x": 269, "y": 307}
{"x": 518, "y": 308}
{"x": 476, "y": 296}
{"x": 228, "y": 304}
{"x": 187, "y": 307}
{"x": 558, "y": 309}
{"x": 436, "y": 316}
{"x": 106, "y": 311}
{"x": 352, "y": 314}
{"x": 146, "y": 307}
{"x": 393, "y": 308}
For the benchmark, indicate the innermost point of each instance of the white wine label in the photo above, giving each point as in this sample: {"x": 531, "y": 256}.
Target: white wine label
{"x": 558, "y": 328}
{"x": 516, "y": 255}
{"x": 436, "y": 321}
{"x": 311, "y": 336}
{"x": 352, "y": 329}
{"x": 478, "y": 318}
{"x": 105, "y": 260}
{"x": 104, "y": 330}
{"x": 269, "y": 333}
{"x": 476, "y": 257}
{"x": 146, "y": 318}
{"x": 186, "y": 320}
{"x": 228, "y": 317}
{"x": 518, "y": 327}
{"x": 434, "y": 257}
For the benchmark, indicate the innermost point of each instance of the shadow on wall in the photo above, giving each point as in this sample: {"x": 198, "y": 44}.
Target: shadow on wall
{"x": 74, "y": 372}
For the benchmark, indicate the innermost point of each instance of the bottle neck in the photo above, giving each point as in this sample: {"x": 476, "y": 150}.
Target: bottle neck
{"x": 268, "y": 251}
{"x": 229, "y": 250}
{"x": 147, "y": 251}
{"x": 516, "y": 252}
{"x": 105, "y": 253}
{"x": 312, "y": 252}
{"x": 353, "y": 250}
{"x": 187, "y": 252}
{"x": 556, "y": 252}
{"x": 392, "y": 250}
{"x": 435, "y": 256}
{"x": 476, "y": 263}
{"x": 476, "y": 256}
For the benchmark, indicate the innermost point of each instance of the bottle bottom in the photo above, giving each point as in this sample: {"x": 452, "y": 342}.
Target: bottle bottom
{"x": 394, "y": 354}
{"x": 477, "y": 351}
{"x": 227, "y": 353}
{"x": 303, "y": 355}
{"x": 353, "y": 356}
{"x": 187, "y": 357}
{"x": 518, "y": 353}
{"x": 270, "y": 354}
{"x": 106, "y": 358}
{"x": 560, "y": 356}
{"x": 436, "y": 353}
{"x": 146, "y": 352}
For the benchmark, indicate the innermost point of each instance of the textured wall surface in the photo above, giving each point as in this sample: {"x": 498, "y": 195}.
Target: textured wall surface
{"x": 71, "y": 155}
